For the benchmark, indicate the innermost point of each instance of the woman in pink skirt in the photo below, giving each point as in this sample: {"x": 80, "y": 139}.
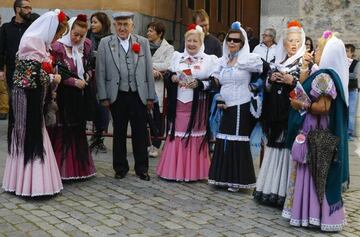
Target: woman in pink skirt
{"x": 185, "y": 156}
{"x": 31, "y": 168}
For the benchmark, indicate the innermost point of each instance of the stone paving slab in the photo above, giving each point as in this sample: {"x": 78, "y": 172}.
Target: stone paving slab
{"x": 103, "y": 206}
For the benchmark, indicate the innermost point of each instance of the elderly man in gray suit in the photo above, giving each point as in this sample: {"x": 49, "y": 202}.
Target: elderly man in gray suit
{"x": 125, "y": 85}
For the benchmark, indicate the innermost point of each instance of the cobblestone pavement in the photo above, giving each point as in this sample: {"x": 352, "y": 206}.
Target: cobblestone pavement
{"x": 103, "y": 206}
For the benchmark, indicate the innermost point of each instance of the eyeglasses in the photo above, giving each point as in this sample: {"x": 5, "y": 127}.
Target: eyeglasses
{"x": 266, "y": 35}
{"x": 235, "y": 40}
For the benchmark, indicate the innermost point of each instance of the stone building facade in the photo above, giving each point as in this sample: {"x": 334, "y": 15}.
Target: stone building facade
{"x": 342, "y": 16}
{"x": 316, "y": 16}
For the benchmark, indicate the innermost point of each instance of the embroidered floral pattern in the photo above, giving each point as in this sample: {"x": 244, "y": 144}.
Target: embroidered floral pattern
{"x": 29, "y": 74}
{"x": 323, "y": 85}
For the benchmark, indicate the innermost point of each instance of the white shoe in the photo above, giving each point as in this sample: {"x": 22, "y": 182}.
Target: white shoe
{"x": 153, "y": 152}
{"x": 233, "y": 190}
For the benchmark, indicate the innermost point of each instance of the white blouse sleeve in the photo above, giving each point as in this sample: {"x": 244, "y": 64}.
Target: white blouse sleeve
{"x": 253, "y": 63}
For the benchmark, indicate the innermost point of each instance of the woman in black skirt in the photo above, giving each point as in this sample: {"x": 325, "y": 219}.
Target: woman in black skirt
{"x": 232, "y": 164}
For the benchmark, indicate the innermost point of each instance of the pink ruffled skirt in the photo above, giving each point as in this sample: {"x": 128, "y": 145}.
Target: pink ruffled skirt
{"x": 185, "y": 159}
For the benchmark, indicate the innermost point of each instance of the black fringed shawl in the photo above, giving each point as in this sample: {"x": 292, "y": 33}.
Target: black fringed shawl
{"x": 71, "y": 118}
{"x": 196, "y": 109}
{"x": 30, "y": 78}
{"x": 276, "y": 106}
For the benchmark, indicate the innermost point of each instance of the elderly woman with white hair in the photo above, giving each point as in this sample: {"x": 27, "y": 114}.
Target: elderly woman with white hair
{"x": 319, "y": 141}
{"x": 273, "y": 176}
{"x": 232, "y": 166}
{"x": 185, "y": 156}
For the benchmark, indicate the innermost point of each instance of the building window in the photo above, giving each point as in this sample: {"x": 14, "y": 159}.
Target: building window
{"x": 207, "y": 7}
{"x": 191, "y": 4}
{"x": 219, "y": 10}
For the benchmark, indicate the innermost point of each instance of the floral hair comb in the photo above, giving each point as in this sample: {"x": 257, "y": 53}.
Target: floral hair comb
{"x": 294, "y": 23}
{"x": 327, "y": 34}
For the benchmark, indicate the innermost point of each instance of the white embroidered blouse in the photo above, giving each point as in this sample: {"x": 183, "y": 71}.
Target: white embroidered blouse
{"x": 201, "y": 67}
{"x": 235, "y": 80}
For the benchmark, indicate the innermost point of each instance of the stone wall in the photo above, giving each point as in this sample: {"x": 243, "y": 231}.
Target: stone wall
{"x": 316, "y": 16}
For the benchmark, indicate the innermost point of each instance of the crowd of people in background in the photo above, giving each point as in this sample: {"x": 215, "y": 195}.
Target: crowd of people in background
{"x": 296, "y": 97}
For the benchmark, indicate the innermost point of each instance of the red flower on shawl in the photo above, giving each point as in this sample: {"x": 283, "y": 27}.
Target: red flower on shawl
{"x": 294, "y": 23}
{"x": 47, "y": 67}
{"x": 61, "y": 16}
{"x": 136, "y": 48}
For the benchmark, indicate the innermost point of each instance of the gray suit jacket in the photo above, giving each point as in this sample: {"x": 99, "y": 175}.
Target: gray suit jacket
{"x": 108, "y": 69}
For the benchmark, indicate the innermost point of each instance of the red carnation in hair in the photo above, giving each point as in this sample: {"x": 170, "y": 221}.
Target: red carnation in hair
{"x": 136, "y": 48}
{"x": 81, "y": 17}
{"x": 191, "y": 27}
{"x": 294, "y": 23}
{"x": 61, "y": 16}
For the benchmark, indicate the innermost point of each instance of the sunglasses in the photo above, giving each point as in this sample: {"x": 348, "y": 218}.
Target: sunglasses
{"x": 235, "y": 40}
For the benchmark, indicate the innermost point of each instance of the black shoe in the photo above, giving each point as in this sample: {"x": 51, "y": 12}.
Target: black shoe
{"x": 144, "y": 176}
{"x": 101, "y": 147}
{"x": 119, "y": 175}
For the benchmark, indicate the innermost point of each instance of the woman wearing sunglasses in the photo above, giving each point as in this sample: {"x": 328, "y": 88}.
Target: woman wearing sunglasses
{"x": 232, "y": 166}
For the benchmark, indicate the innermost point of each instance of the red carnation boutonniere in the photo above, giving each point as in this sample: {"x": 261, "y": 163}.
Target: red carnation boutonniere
{"x": 136, "y": 48}
{"x": 47, "y": 67}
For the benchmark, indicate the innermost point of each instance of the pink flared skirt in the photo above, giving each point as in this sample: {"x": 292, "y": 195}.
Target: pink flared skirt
{"x": 36, "y": 178}
{"x": 185, "y": 158}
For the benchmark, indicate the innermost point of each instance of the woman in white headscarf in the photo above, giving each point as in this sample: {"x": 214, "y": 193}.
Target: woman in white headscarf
{"x": 273, "y": 176}
{"x": 232, "y": 166}
{"x": 31, "y": 168}
{"x": 185, "y": 156}
{"x": 68, "y": 136}
{"x": 319, "y": 142}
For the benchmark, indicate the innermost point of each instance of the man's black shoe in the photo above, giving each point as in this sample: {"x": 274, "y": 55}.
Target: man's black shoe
{"x": 144, "y": 176}
{"x": 119, "y": 175}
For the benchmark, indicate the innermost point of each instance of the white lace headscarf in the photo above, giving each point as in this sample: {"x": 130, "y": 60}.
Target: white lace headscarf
{"x": 281, "y": 52}
{"x": 334, "y": 57}
{"x": 77, "y": 51}
{"x": 36, "y": 41}
{"x": 243, "y": 53}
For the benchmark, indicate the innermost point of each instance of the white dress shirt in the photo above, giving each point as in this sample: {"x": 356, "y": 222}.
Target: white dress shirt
{"x": 125, "y": 43}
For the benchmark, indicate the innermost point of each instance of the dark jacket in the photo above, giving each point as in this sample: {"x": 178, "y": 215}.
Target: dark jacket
{"x": 10, "y": 35}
